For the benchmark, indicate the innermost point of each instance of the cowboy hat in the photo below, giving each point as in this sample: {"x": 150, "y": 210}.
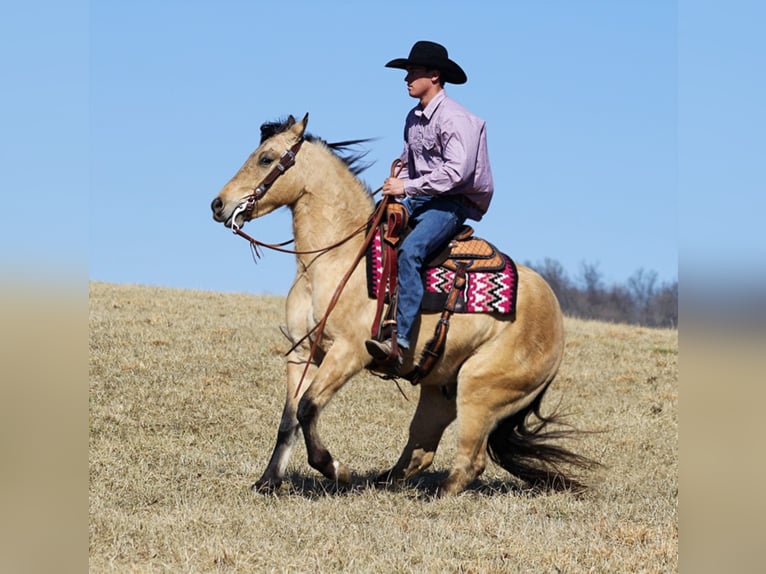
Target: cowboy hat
{"x": 433, "y": 56}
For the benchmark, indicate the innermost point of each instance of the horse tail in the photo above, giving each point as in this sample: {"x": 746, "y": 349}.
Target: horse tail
{"x": 523, "y": 447}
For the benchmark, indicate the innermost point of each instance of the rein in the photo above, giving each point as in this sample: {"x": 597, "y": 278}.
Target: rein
{"x": 255, "y": 244}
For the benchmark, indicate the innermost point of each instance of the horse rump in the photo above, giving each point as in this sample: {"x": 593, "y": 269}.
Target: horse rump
{"x": 522, "y": 444}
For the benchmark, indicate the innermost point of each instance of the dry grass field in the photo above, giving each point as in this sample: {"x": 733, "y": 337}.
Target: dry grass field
{"x": 186, "y": 390}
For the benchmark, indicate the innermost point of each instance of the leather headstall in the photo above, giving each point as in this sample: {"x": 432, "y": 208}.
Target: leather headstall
{"x": 286, "y": 161}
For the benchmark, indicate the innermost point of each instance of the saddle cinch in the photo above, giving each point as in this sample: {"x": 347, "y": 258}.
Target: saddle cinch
{"x": 463, "y": 255}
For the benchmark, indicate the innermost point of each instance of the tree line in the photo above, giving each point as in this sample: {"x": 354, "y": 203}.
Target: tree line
{"x": 641, "y": 301}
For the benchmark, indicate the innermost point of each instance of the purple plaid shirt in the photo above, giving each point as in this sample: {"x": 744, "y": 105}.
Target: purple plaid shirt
{"x": 445, "y": 153}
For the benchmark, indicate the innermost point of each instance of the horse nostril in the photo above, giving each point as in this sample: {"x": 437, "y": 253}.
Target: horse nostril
{"x": 216, "y": 205}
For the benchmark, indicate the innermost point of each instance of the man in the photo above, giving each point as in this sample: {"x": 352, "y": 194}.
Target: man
{"x": 445, "y": 180}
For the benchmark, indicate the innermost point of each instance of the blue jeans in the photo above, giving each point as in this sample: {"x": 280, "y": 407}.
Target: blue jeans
{"x": 435, "y": 221}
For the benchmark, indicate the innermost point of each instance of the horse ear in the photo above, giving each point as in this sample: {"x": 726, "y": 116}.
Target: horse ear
{"x": 298, "y": 128}
{"x": 290, "y": 121}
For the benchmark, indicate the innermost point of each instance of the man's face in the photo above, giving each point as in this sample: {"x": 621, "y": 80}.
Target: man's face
{"x": 420, "y": 80}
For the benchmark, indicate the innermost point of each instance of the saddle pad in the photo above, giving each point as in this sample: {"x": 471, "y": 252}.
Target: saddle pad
{"x": 485, "y": 292}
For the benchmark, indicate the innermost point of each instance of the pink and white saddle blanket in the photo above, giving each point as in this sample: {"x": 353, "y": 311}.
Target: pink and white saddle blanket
{"x": 491, "y": 277}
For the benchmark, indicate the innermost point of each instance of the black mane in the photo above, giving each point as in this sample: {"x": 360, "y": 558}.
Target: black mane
{"x": 348, "y": 151}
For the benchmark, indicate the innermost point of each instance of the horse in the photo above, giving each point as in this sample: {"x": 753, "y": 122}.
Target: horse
{"x": 495, "y": 368}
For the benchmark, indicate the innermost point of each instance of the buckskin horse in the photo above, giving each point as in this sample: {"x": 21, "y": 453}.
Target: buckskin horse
{"x": 495, "y": 368}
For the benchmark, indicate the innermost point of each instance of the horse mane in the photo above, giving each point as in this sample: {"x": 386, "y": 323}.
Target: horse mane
{"x": 347, "y": 151}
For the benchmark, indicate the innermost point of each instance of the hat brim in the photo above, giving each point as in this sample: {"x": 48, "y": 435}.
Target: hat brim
{"x": 450, "y": 71}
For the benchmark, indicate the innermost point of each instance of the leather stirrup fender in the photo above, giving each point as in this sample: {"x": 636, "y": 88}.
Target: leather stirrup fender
{"x": 434, "y": 348}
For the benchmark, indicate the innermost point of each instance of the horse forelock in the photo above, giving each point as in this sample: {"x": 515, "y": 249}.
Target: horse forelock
{"x": 348, "y": 151}
{"x": 270, "y": 129}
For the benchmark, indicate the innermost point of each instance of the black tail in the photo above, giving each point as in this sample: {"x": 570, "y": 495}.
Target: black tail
{"x": 523, "y": 448}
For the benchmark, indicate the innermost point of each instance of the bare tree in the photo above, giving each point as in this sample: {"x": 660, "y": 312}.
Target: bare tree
{"x": 640, "y": 302}
{"x": 641, "y": 285}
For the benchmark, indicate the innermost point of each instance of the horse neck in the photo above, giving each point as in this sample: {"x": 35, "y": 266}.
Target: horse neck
{"x": 334, "y": 204}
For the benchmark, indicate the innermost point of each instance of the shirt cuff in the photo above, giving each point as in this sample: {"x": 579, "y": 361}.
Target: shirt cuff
{"x": 412, "y": 187}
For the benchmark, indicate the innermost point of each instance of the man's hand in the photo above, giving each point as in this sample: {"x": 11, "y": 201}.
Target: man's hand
{"x": 393, "y": 186}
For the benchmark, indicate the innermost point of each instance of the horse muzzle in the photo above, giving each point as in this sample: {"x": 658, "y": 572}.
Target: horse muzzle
{"x": 218, "y": 212}
{"x": 232, "y": 218}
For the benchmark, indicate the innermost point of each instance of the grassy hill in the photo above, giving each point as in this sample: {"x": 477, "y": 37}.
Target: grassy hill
{"x": 186, "y": 391}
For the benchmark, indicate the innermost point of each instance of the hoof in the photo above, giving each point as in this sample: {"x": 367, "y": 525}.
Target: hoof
{"x": 266, "y": 486}
{"x": 342, "y": 475}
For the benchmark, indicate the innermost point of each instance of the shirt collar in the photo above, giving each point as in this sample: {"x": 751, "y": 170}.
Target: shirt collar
{"x": 429, "y": 110}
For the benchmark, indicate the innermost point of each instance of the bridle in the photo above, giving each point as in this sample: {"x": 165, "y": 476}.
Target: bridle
{"x": 247, "y": 205}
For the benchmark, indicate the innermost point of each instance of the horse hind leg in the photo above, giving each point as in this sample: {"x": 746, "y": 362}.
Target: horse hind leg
{"x": 433, "y": 415}
{"x": 502, "y": 433}
{"x": 484, "y": 399}
{"x": 471, "y": 458}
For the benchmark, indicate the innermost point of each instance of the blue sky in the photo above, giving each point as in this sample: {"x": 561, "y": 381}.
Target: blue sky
{"x": 126, "y": 118}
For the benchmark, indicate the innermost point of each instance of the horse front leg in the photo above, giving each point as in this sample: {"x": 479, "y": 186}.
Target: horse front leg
{"x": 289, "y": 428}
{"x": 341, "y": 363}
{"x": 318, "y": 456}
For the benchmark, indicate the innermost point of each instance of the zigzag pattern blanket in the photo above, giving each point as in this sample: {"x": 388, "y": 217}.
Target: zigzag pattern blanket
{"x": 484, "y": 293}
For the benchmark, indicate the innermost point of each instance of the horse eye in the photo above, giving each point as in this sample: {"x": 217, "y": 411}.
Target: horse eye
{"x": 266, "y": 160}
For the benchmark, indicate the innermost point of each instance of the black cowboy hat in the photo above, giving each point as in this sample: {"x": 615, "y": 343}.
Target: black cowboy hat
{"x": 433, "y": 56}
